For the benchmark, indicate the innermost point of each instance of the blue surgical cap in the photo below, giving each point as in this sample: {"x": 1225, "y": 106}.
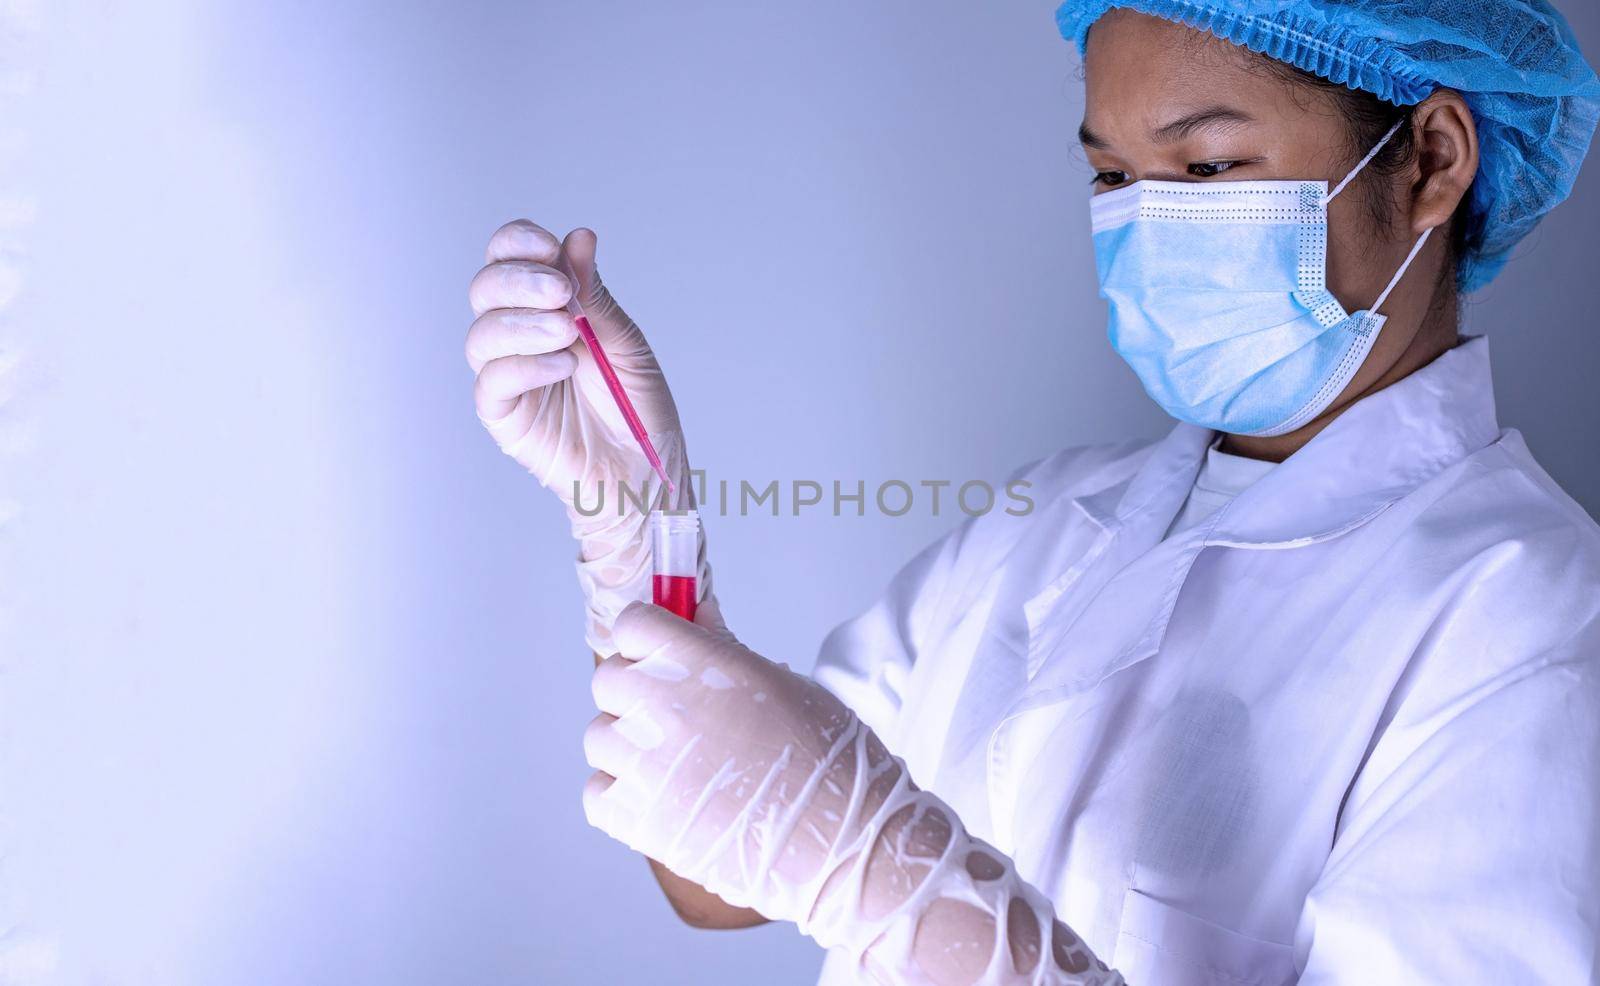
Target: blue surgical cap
{"x": 1516, "y": 62}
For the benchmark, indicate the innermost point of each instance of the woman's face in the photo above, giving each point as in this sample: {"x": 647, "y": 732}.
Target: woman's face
{"x": 1169, "y": 103}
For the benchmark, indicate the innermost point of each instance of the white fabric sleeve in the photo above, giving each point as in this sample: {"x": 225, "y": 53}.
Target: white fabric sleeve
{"x": 1469, "y": 848}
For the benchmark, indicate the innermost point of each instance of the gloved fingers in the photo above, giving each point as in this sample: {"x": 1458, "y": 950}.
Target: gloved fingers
{"x": 518, "y": 284}
{"x": 502, "y": 381}
{"x": 614, "y": 745}
{"x": 609, "y": 685}
{"x": 512, "y": 428}
{"x": 642, "y": 630}
{"x": 521, "y": 239}
{"x": 618, "y": 688}
{"x": 708, "y": 614}
{"x": 616, "y": 806}
{"x": 518, "y": 332}
{"x": 624, "y": 343}
{"x": 600, "y": 809}
{"x": 604, "y": 748}
{"x": 632, "y": 795}
{"x": 579, "y": 248}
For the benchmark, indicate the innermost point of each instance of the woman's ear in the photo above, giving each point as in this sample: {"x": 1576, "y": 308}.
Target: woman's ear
{"x": 1447, "y": 158}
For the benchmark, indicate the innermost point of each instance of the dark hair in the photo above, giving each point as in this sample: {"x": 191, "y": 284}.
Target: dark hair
{"x": 1367, "y": 119}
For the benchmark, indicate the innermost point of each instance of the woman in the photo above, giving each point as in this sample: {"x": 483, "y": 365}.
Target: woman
{"x": 1307, "y": 691}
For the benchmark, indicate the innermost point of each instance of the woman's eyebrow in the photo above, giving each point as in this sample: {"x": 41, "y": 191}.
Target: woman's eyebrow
{"x": 1176, "y": 130}
{"x": 1186, "y": 125}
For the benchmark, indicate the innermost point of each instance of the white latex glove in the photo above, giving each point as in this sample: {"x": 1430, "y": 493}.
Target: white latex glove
{"x": 759, "y": 785}
{"x": 541, "y": 397}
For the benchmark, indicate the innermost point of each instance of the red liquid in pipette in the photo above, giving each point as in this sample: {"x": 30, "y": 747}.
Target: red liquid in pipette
{"x": 620, "y": 395}
{"x": 674, "y": 593}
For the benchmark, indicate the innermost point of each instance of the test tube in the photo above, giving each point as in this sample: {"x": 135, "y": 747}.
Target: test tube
{"x": 675, "y": 549}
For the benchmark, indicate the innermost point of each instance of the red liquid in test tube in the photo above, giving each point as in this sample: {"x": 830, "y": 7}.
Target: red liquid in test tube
{"x": 675, "y": 551}
{"x": 676, "y": 593}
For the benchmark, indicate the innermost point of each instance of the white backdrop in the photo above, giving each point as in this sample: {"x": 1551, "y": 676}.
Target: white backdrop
{"x": 293, "y": 679}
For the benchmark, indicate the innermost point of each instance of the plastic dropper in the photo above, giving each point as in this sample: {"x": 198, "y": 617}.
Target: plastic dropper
{"x": 618, "y": 394}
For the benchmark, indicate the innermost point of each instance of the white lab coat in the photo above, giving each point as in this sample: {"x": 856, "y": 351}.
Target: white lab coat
{"x": 1347, "y": 730}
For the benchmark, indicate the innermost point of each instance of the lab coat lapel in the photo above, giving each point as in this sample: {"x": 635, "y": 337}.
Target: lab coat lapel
{"x": 1124, "y": 593}
{"x": 1126, "y": 558}
{"x": 1124, "y": 622}
{"x": 1126, "y": 561}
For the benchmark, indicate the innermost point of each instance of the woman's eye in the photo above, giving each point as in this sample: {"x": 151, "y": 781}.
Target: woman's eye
{"x": 1210, "y": 169}
{"x": 1109, "y": 179}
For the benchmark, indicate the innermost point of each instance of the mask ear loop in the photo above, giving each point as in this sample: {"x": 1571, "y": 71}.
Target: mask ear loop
{"x": 1394, "y": 282}
{"x": 1365, "y": 161}
{"x": 1416, "y": 248}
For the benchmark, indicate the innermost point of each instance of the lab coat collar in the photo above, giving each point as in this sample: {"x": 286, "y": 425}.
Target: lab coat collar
{"x": 1158, "y": 487}
{"x": 1376, "y": 452}
{"x": 1381, "y": 448}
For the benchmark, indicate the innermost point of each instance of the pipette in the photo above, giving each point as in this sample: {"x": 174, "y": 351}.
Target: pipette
{"x": 618, "y": 394}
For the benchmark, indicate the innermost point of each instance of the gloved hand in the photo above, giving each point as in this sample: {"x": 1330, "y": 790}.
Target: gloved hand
{"x": 541, "y": 397}
{"x": 759, "y": 785}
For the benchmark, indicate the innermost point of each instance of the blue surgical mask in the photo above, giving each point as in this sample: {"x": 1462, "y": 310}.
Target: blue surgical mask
{"x": 1219, "y": 298}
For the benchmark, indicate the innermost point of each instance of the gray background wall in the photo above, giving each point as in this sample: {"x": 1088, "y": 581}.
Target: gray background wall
{"x": 294, "y": 680}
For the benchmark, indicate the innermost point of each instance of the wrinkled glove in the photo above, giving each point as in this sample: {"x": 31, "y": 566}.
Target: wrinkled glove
{"x": 543, "y": 400}
{"x": 762, "y": 787}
